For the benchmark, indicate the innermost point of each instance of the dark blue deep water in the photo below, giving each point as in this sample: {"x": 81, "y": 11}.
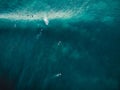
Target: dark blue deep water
{"x": 59, "y": 45}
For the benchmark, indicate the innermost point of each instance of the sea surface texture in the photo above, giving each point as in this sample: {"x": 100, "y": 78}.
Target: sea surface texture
{"x": 59, "y": 44}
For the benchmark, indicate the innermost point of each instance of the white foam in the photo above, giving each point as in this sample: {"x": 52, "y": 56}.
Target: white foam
{"x": 37, "y": 16}
{"x": 45, "y": 15}
{"x": 46, "y": 20}
{"x": 58, "y": 75}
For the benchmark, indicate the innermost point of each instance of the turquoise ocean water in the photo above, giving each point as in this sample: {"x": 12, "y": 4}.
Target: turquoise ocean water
{"x": 59, "y": 45}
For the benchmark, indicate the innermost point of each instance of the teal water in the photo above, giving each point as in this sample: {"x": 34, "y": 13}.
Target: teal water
{"x": 59, "y": 45}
